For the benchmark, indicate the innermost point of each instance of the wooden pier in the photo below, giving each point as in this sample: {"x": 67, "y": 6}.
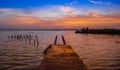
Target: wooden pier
{"x": 61, "y": 57}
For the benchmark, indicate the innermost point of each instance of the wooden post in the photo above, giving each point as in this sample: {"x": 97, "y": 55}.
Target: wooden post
{"x": 29, "y": 39}
{"x": 11, "y": 36}
{"x": 22, "y": 38}
{"x": 55, "y": 42}
{"x": 14, "y": 36}
{"x": 25, "y": 38}
{"x": 8, "y": 37}
{"x": 37, "y": 40}
{"x": 63, "y": 40}
{"x": 34, "y": 42}
{"x": 45, "y": 51}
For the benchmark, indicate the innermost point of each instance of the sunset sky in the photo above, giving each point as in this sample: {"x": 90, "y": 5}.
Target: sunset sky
{"x": 56, "y": 14}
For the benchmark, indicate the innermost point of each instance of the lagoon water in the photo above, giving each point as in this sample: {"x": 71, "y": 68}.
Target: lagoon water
{"x": 98, "y": 52}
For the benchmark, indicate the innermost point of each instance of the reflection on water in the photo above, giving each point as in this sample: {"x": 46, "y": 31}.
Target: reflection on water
{"x": 99, "y": 52}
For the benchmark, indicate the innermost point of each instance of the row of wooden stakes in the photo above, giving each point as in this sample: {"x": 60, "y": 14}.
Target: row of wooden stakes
{"x": 25, "y": 38}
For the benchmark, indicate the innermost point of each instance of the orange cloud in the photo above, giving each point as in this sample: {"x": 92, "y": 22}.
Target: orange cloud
{"x": 65, "y": 22}
{"x": 79, "y": 21}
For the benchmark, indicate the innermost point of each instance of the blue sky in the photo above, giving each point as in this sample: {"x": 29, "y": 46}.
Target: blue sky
{"x": 39, "y": 3}
{"x": 52, "y": 11}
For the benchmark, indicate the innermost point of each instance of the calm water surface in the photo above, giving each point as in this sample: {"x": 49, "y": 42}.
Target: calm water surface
{"x": 99, "y": 52}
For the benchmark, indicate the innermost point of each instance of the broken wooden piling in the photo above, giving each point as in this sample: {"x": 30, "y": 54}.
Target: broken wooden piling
{"x": 55, "y": 42}
{"x": 63, "y": 39}
{"x": 37, "y": 40}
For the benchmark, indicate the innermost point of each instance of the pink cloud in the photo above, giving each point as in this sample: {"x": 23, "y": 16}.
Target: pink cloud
{"x": 93, "y": 14}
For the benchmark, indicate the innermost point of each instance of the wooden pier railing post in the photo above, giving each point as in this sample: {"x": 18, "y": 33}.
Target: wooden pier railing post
{"x": 55, "y": 42}
{"x": 64, "y": 42}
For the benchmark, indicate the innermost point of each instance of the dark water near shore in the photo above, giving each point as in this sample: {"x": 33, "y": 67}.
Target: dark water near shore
{"x": 99, "y": 52}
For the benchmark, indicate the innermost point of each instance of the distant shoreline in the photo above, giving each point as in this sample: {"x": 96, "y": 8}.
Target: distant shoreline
{"x": 99, "y": 31}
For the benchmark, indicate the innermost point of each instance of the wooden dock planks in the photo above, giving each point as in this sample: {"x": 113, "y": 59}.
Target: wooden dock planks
{"x": 61, "y": 57}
